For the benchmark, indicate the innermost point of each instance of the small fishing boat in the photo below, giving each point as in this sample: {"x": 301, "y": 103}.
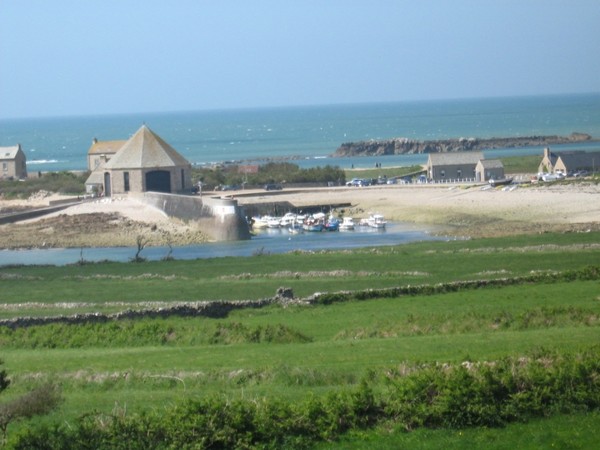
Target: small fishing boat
{"x": 332, "y": 224}
{"x": 376, "y": 221}
{"x": 260, "y": 222}
{"x": 314, "y": 223}
{"x": 347, "y": 224}
{"x": 500, "y": 182}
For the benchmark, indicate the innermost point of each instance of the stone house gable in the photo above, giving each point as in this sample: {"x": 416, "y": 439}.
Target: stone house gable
{"x": 13, "y": 163}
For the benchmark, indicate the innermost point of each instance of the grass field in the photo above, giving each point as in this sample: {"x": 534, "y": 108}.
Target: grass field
{"x": 289, "y": 353}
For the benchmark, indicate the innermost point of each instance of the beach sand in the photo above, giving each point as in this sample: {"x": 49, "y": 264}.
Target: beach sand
{"x": 472, "y": 211}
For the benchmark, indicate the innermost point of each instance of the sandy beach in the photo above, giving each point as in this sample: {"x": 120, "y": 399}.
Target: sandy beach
{"x": 461, "y": 210}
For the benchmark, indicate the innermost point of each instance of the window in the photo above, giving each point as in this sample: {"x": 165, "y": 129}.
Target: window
{"x": 126, "y": 181}
{"x": 5, "y": 167}
{"x": 442, "y": 173}
{"x": 459, "y": 174}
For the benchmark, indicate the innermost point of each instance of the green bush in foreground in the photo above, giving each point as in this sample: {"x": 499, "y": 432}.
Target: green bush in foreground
{"x": 429, "y": 395}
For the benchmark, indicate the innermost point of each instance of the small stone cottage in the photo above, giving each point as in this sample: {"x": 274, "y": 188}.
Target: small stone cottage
{"x": 99, "y": 154}
{"x": 489, "y": 169}
{"x": 13, "y": 163}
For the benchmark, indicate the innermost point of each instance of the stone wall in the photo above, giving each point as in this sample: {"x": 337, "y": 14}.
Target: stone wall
{"x": 212, "y": 309}
{"x": 221, "y": 218}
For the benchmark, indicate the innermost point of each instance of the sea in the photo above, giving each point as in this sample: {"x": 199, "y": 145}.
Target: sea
{"x": 309, "y": 135}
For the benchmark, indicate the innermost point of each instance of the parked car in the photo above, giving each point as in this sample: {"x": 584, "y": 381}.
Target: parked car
{"x": 226, "y": 187}
{"x": 273, "y": 187}
{"x": 581, "y": 173}
{"x": 358, "y": 182}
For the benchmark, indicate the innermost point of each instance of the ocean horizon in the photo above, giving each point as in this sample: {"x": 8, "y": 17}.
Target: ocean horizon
{"x": 309, "y": 135}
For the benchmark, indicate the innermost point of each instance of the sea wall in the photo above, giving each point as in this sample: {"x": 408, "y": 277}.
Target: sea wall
{"x": 400, "y": 146}
{"x": 221, "y": 218}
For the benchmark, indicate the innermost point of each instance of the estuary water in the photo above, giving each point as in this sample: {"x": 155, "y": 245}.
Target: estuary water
{"x": 309, "y": 135}
{"x": 267, "y": 242}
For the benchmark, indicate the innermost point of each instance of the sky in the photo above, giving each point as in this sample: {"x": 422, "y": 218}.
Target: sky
{"x": 73, "y": 57}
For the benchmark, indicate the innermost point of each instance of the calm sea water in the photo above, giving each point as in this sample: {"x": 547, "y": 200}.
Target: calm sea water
{"x": 309, "y": 134}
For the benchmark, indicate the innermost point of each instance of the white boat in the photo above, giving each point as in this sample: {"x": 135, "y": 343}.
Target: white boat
{"x": 274, "y": 222}
{"x": 260, "y": 223}
{"x": 347, "y": 224}
{"x": 287, "y": 220}
{"x": 376, "y": 221}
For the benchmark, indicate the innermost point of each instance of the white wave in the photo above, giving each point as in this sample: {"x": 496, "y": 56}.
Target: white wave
{"x": 43, "y": 161}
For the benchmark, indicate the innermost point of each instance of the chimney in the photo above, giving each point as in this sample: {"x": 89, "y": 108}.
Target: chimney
{"x": 547, "y": 152}
{"x": 94, "y": 141}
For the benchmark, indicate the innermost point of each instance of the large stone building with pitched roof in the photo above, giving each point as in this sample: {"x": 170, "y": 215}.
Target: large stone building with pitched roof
{"x": 146, "y": 163}
{"x": 453, "y": 166}
{"x": 13, "y": 163}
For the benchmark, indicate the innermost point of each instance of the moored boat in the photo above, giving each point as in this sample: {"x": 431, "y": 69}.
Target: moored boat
{"x": 500, "y": 182}
{"x": 347, "y": 224}
{"x": 376, "y": 221}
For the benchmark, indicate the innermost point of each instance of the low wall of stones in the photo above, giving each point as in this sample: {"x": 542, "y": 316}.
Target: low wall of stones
{"x": 212, "y": 309}
{"x": 220, "y": 218}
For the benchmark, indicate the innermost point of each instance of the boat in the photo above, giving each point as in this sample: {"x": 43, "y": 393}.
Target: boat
{"x": 347, "y": 224}
{"x": 273, "y": 222}
{"x": 287, "y": 220}
{"x": 500, "y": 181}
{"x": 260, "y": 222}
{"x": 313, "y": 223}
{"x": 332, "y": 224}
{"x": 376, "y": 221}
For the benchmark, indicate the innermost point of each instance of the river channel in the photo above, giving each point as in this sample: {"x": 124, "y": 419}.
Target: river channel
{"x": 266, "y": 242}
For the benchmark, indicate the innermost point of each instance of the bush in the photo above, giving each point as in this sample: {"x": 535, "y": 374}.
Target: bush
{"x": 436, "y": 395}
{"x": 67, "y": 183}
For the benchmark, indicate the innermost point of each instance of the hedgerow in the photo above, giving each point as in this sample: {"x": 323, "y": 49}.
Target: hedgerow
{"x": 436, "y": 395}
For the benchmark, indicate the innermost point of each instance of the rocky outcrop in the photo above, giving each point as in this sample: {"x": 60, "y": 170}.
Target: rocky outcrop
{"x": 400, "y": 146}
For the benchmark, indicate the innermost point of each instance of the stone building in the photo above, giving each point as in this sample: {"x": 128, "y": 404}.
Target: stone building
{"x": 570, "y": 161}
{"x": 13, "y": 163}
{"x": 489, "y": 169}
{"x": 453, "y": 166}
{"x": 146, "y": 163}
{"x": 98, "y": 155}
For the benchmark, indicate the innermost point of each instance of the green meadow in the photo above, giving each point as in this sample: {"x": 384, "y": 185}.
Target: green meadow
{"x": 385, "y": 320}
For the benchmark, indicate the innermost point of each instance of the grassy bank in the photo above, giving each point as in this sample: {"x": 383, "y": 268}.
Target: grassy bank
{"x": 281, "y": 356}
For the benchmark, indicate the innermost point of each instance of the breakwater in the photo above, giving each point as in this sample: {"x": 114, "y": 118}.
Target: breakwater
{"x": 404, "y": 146}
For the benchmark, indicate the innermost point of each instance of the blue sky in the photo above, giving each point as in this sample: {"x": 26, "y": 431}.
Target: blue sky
{"x": 73, "y": 57}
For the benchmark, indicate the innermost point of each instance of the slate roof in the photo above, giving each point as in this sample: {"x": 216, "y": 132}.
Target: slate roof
{"x": 9, "y": 153}
{"x": 455, "y": 158}
{"x": 491, "y": 164}
{"x": 145, "y": 149}
{"x": 102, "y": 147}
{"x": 579, "y": 160}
